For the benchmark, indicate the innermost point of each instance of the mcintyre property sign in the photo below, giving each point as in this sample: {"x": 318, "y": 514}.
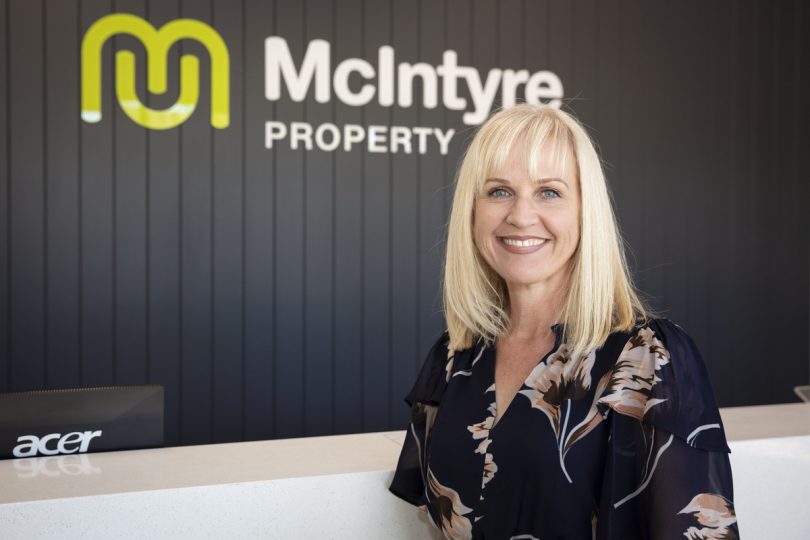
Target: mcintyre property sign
{"x": 354, "y": 82}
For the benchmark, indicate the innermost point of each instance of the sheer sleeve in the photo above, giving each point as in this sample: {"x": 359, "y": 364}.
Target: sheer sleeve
{"x": 667, "y": 472}
{"x": 409, "y": 478}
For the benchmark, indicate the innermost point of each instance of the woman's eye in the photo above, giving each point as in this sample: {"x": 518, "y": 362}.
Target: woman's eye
{"x": 498, "y": 193}
{"x": 550, "y": 193}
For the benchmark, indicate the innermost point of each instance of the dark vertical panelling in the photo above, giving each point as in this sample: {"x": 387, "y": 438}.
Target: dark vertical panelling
{"x": 787, "y": 209}
{"x": 741, "y": 128}
{"x": 510, "y": 41}
{"x": 290, "y": 176}
{"x": 721, "y": 287}
{"x": 259, "y": 221}
{"x": 134, "y": 255}
{"x": 799, "y": 137}
{"x": 5, "y": 205}
{"x": 535, "y": 35}
{"x": 27, "y": 194}
{"x": 662, "y": 188}
{"x": 228, "y": 254}
{"x": 405, "y": 225}
{"x": 607, "y": 89}
{"x": 197, "y": 225}
{"x": 318, "y": 242}
{"x": 800, "y": 140}
{"x": 766, "y": 164}
{"x": 484, "y": 37}
{"x": 163, "y": 238}
{"x": 62, "y": 203}
{"x": 129, "y": 224}
{"x": 458, "y": 38}
{"x": 377, "y": 248}
{"x": 629, "y": 199}
{"x": 348, "y": 233}
{"x": 560, "y": 24}
{"x": 692, "y": 256}
{"x": 792, "y": 77}
{"x": 584, "y": 34}
{"x": 748, "y": 219}
{"x": 771, "y": 165}
{"x": 433, "y": 185}
{"x": 96, "y": 219}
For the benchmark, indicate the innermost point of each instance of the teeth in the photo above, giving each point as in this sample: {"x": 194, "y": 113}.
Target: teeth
{"x": 524, "y": 243}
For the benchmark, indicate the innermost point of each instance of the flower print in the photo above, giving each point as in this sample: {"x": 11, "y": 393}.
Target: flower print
{"x": 491, "y": 408}
{"x": 649, "y": 470}
{"x": 447, "y": 509}
{"x": 422, "y": 418}
{"x": 482, "y": 448}
{"x": 561, "y": 377}
{"x": 635, "y": 373}
{"x": 468, "y": 372}
{"x": 481, "y": 430}
{"x": 716, "y": 515}
{"x": 448, "y": 369}
{"x": 490, "y": 468}
{"x": 591, "y": 420}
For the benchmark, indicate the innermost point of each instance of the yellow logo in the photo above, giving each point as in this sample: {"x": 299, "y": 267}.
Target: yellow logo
{"x": 157, "y": 44}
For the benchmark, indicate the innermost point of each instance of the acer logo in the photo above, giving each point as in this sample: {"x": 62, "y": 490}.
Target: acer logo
{"x": 54, "y": 443}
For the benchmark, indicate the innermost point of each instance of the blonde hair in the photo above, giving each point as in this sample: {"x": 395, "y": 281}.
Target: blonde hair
{"x": 599, "y": 298}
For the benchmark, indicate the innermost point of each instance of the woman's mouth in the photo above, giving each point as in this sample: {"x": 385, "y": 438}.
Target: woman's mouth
{"x": 526, "y": 244}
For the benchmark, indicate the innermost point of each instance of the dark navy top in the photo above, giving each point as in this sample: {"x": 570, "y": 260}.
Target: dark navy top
{"x": 623, "y": 443}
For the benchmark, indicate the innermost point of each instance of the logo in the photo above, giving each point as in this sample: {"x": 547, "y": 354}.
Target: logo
{"x": 76, "y": 441}
{"x": 157, "y": 44}
{"x": 389, "y": 82}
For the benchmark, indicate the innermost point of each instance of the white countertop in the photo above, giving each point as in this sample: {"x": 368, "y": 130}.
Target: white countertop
{"x": 55, "y": 477}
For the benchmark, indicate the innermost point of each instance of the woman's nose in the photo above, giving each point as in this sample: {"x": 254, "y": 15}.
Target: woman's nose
{"x": 522, "y": 214}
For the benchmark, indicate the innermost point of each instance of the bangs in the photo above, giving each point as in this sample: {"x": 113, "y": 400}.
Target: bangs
{"x": 532, "y": 132}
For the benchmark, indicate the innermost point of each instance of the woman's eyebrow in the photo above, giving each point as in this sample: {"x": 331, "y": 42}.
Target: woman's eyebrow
{"x": 538, "y": 181}
{"x": 547, "y": 180}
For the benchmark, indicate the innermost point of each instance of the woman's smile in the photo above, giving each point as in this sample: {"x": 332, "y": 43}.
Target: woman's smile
{"x": 522, "y": 244}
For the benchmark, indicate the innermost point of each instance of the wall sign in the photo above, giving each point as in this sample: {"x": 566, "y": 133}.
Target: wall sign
{"x": 387, "y": 82}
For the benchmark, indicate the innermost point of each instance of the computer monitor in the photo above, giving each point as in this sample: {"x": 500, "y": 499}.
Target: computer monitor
{"x": 78, "y": 420}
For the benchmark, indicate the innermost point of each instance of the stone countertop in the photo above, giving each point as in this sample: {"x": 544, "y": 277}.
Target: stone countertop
{"x": 54, "y": 477}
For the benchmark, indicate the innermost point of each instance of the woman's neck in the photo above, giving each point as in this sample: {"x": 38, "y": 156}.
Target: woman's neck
{"x": 533, "y": 310}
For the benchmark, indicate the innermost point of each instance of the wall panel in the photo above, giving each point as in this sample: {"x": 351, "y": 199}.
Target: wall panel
{"x": 5, "y": 206}
{"x": 26, "y": 195}
{"x": 285, "y": 292}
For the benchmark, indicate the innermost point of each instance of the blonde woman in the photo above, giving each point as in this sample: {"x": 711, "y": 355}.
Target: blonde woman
{"x": 556, "y": 405}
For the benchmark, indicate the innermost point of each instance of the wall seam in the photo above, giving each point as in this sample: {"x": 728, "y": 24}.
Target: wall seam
{"x": 45, "y": 300}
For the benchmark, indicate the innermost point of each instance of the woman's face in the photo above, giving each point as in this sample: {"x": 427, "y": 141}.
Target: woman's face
{"x": 526, "y": 228}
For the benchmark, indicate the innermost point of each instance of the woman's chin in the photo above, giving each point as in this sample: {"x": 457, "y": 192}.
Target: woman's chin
{"x": 516, "y": 281}
{"x": 524, "y": 282}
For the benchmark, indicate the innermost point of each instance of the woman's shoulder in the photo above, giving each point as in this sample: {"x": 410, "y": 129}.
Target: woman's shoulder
{"x": 434, "y": 373}
{"x": 660, "y": 378}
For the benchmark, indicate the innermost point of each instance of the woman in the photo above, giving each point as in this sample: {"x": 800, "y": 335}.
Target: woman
{"x": 555, "y": 405}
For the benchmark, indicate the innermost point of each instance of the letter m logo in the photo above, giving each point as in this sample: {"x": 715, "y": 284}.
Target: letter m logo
{"x": 157, "y": 44}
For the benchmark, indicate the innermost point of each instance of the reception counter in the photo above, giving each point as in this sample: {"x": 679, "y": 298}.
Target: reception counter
{"x": 333, "y": 487}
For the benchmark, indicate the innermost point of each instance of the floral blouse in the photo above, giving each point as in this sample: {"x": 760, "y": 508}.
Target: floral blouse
{"x": 623, "y": 443}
